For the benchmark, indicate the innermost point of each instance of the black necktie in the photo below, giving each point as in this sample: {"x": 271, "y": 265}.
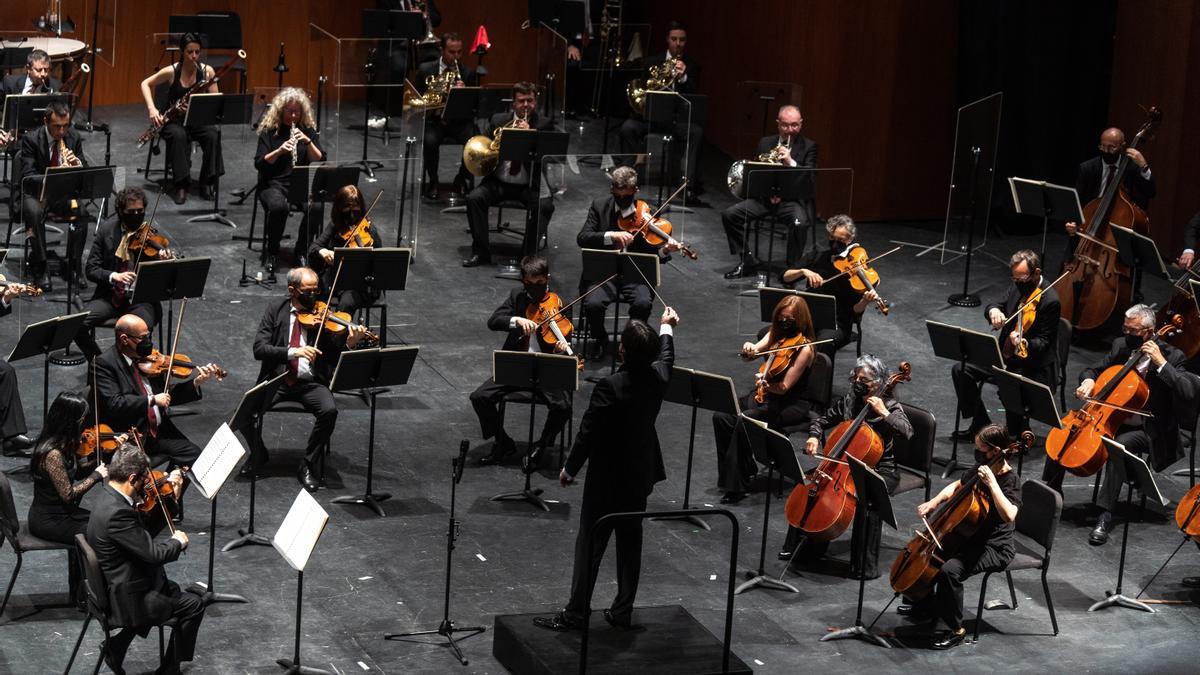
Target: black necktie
{"x": 1109, "y": 170}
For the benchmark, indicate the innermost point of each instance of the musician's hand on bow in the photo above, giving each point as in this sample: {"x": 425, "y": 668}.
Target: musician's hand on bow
{"x": 203, "y": 373}
{"x": 124, "y": 278}
{"x": 1072, "y": 228}
{"x": 814, "y": 280}
{"x": 102, "y": 470}
{"x": 181, "y": 537}
{"x": 354, "y": 335}
{"x": 622, "y": 239}
{"x": 1136, "y": 156}
{"x": 573, "y": 53}
{"x": 749, "y": 351}
{"x": 1084, "y": 389}
{"x": 1150, "y": 348}
{"x": 1185, "y": 259}
{"x": 996, "y": 318}
{"x": 925, "y": 508}
{"x": 326, "y": 255}
{"x": 308, "y": 353}
{"x": 162, "y": 400}
{"x": 527, "y": 327}
{"x": 812, "y": 445}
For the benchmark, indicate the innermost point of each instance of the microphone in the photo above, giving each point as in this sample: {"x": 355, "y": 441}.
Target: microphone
{"x": 461, "y": 460}
{"x": 281, "y": 67}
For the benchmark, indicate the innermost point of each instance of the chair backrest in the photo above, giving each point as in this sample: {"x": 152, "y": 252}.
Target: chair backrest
{"x": 93, "y": 577}
{"x": 818, "y": 387}
{"x": 9, "y": 523}
{"x": 1041, "y": 508}
{"x": 916, "y": 452}
{"x": 1064, "y": 344}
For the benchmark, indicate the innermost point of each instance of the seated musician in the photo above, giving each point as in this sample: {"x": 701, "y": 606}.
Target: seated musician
{"x": 348, "y": 210}
{"x": 510, "y": 317}
{"x": 990, "y": 549}
{"x": 602, "y": 230}
{"x": 509, "y": 181}
{"x": 888, "y": 421}
{"x": 1094, "y": 176}
{"x": 35, "y": 80}
{"x": 286, "y": 139}
{"x": 110, "y": 266}
{"x": 1041, "y": 339}
{"x": 584, "y": 62}
{"x": 686, "y": 136}
{"x": 790, "y": 149}
{"x": 438, "y": 130}
{"x": 180, "y": 77}
{"x": 128, "y": 398}
{"x": 1172, "y": 393}
{"x": 60, "y": 480}
{"x": 40, "y": 150}
{"x": 140, "y": 595}
{"x": 782, "y": 404}
{"x": 12, "y": 411}
{"x": 391, "y": 57}
{"x": 1191, "y": 235}
{"x": 284, "y": 345}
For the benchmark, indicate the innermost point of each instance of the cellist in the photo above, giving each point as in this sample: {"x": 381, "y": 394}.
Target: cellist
{"x": 348, "y": 210}
{"x": 989, "y": 550}
{"x": 888, "y": 420}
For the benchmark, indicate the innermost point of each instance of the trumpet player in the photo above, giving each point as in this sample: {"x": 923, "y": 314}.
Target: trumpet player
{"x": 790, "y": 149}
{"x": 56, "y": 144}
{"x": 286, "y": 139}
{"x": 510, "y": 181}
{"x": 437, "y": 128}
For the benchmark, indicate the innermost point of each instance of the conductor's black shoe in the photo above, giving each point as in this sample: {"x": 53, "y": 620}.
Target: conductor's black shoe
{"x": 732, "y": 497}
{"x": 1191, "y": 582}
{"x": 305, "y": 476}
{"x": 501, "y": 448}
{"x": 531, "y": 462}
{"x": 950, "y": 639}
{"x": 560, "y": 622}
{"x": 1099, "y": 535}
{"x": 619, "y": 624}
{"x": 206, "y": 192}
{"x": 476, "y": 260}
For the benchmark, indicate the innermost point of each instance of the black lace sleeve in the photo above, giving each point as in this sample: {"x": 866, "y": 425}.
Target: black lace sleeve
{"x": 55, "y": 467}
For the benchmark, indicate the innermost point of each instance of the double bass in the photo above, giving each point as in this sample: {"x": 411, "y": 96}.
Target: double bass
{"x": 1183, "y": 302}
{"x": 1099, "y": 285}
{"x": 823, "y": 507}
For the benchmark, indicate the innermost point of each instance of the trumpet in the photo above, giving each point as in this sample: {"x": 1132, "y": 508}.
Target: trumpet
{"x": 737, "y": 172}
{"x": 481, "y": 155}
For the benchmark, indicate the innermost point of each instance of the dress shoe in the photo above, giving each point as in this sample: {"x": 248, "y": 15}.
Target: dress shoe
{"x": 598, "y": 351}
{"x": 1104, "y": 525}
{"x": 430, "y": 193}
{"x": 785, "y": 554}
{"x": 911, "y": 610}
{"x": 950, "y": 639}
{"x": 501, "y": 448}
{"x": 206, "y": 192}
{"x": 732, "y": 497}
{"x": 305, "y": 476}
{"x": 1191, "y": 582}
{"x": 251, "y": 466}
{"x": 559, "y": 623}
{"x": 742, "y": 270}
{"x": 476, "y": 260}
{"x": 180, "y": 196}
{"x": 531, "y": 462}
{"x": 113, "y": 661}
{"x": 17, "y": 443}
{"x": 619, "y": 624}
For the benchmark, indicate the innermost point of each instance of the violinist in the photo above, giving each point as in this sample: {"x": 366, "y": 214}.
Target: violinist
{"x": 602, "y": 230}
{"x": 53, "y": 145}
{"x": 308, "y": 356}
{"x": 286, "y": 139}
{"x": 1038, "y": 329}
{"x": 523, "y": 335}
{"x": 989, "y": 550}
{"x": 782, "y": 404}
{"x": 347, "y": 212}
{"x": 888, "y": 421}
{"x": 110, "y": 267}
{"x": 140, "y": 595}
{"x": 1172, "y": 393}
{"x": 12, "y": 410}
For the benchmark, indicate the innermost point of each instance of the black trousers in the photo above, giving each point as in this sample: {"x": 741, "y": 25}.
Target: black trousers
{"x": 177, "y": 137}
{"x": 170, "y": 442}
{"x": 629, "y": 558}
{"x": 318, "y": 401}
{"x": 734, "y": 220}
{"x": 188, "y": 610}
{"x": 486, "y": 400}
{"x": 33, "y": 216}
{"x": 686, "y": 141}
{"x": 437, "y": 133}
{"x": 864, "y": 544}
{"x": 946, "y": 601}
{"x": 970, "y": 402}
{"x": 637, "y": 296}
{"x": 100, "y": 310}
{"x": 735, "y": 459}
{"x": 491, "y": 191}
{"x": 12, "y": 412}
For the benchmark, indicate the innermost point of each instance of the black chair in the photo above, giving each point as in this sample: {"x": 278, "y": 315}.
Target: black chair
{"x": 914, "y": 455}
{"x": 17, "y": 534}
{"x": 1037, "y": 519}
{"x": 818, "y": 391}
{"x": 292, "y": 408}
{"x": 1064, "y": 352}
{"x": 1188, "y": 429}
{"x": 565, "y": 437}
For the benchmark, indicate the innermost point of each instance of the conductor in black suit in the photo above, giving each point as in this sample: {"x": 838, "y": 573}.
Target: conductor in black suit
{"x": 36, "y": 78}
{"x": 437, "y": 130}
{"x": 618, "y": 435}
{"x": 42, "y": 149}
{"x": 284, "y": 345}
{"x": 790, "y": 149}
{"x": 140, "y": 595}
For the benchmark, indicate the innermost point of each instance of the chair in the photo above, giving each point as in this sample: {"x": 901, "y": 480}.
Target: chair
{"x": 1188, "y": 428}
{"x": 1037, "y": 519}
{"x": 17, "y": 534}
{"x": 818, "y": 390}
{"x": 526, "y": 398}
{"x": 292, "y": 407}
{"x": 914, "y": 455}
{"x": 1065, "y": 332}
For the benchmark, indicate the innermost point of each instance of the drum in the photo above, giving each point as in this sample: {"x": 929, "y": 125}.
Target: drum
{"x": 59, "y": 49}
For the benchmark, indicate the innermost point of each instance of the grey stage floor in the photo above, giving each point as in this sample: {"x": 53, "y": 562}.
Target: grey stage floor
{"x": 373, "y": 575}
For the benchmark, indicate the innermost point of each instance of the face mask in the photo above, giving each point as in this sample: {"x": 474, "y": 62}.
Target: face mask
{"x": 860, "y": 388}
{"x": 623, "y": 201}
{"x": 1025, "y": 287}
{"x": 132, "y": 219}
{"x": 306, "y": 300}
{"x": 353, "y": 217}
{"x": 535, "y": 291}
{"x": 981, "y": 458}
{"x": 836, "y": 247}
{"x": 785, "y": 327}
{"x": 1133, "y": 342}
{"x": 144, "y": 347}
{"x": 1110, "y": 157}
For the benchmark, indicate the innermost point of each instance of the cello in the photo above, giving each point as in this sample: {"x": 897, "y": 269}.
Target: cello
{"x": 1118, "y": 393}
{"x": 1099, "y": 284}
{"x": 824, "y": 507}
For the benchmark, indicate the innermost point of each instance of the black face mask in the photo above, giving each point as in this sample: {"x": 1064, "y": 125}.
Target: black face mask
{"x": 1025, "y": 287}
{"x": 785, "y": 328}
{"x": 623, "y": 202}
{"x": 1110, "y": 157}
{"x": 132, "y": 219}
{"x": 860, "y": 389}
{"x": 353, "y": 217}
{"x": 836, "y": 247}
{"x": 144, "y": 347}
{"x": 1133, "y": 342}
{"x": 536, "y": 292}
{"x": 306, "y": 300}
{"x": 981, "y": 458}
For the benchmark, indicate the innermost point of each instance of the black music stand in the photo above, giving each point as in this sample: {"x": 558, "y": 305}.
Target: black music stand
{"x": 12, "y": 58}
{"x": 24, "y": 111}
{"x": 764, "y": 182}
{"x": 823, "y": 308}
{"x": 698, "y": 389}
{"x": 533, "y": 371}
{"x": 629, "y": 268}
{"x": 220, "y": 459}
{"x": 775, "y": 450}
{"x": 170, "y": 280}
{"x": 1046, "y": 200}
{"x": 247, "y": 419}
{"x": 218, "y": 110}
{"x": 969, "y": 348}
{"x": 530, "y": 146}
{"x": 463, "y": 104}
{"x": 399, "y": 28}
{"x": 1143, "y": 478}
{"x": 81, "y": 183}
{"x": 871, "y": 484}
{"x": 372, "y": 271}
{"x": 1139, "y": 252}
{"x": 1033, "y": 399}
{"x": 665, "y": 112}
{"x": 373, "y": 370}
{"x": 43, "y": 338}
{"x": 295, "y": 541}
{"x": 313, "y": 184}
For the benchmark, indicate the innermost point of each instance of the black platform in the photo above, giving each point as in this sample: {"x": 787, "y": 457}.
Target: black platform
{"x": 668, "y": 641}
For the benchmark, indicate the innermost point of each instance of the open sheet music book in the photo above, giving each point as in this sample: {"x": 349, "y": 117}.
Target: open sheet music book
{"x": 298, "y": 534}
{"x": 217, "y": 461}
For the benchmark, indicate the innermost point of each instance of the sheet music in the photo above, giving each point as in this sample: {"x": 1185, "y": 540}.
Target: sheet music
{"x": 298, "y": 534}
{"x": 216, "y": 462}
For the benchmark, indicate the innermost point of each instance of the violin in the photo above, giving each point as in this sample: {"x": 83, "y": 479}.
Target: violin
{"x": 656, "y": 231}
{"x": 157, "y": 364}
{"x": 863, "y": 277}
{"x": 100, "y": 436}
{"x": 952, "y": 525}
{"x": 553, "y": 325}
{"x": 146, "y": 242}
{"x": 359, "y": 236}
{"x": 332, "y": 321}
{"x": 21, "y": 289}
{"x": 1118, "y": 393}
{"x": 158, "y": 488}
{"x": 779, "y": 359}
{"x": 824, "y": 506}
{"x": 1025, "y": 317}
{"x": 1187, "y": 514}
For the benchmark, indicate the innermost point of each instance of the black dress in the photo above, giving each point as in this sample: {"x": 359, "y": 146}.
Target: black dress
{"x": 55, "y": 514}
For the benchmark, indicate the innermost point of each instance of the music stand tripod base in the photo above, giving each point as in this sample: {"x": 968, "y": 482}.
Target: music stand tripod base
{"x": 447, "y": 629}
{"x": 765, "y": 582}
{"x": 859, "y": 632}
{"x": 370, "y": 499}
{"x": 296, "y": 669}
{"x": 695, "y": 520}
{"x": 1121, "y": 601}
{"x": 533, "y": 496}
{"x": 964, "y": 300}
{"x": 201, "y": 589}
{"x": 246, "y": 537}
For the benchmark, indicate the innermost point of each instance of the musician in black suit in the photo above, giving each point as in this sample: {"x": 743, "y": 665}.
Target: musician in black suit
{"x": 110, "y": 267}
{"x": 35, "y": 80}
{"x": 584, "y": 59}
{"x": 802, "y": 153}
{"x": 1191, "y": 235}
{"x": 140, "y": 595}
{"x": 510, "y": 181}
{"x": 1173, "y": 392}
{"x": 128, "y": 398}
{"x": 437, "y": 130}
{"x": 283, "y": 345}
{"x": 510, "y": 317}
{"x": 601, "y": 230}
{"x": 12, "y": 411}
{"x": 617, "y": 434}
{"x": 1094, "y": 175}
{"x": 287, "y": 138}
{"x": 41, "y": 149}
{"x": 348, "y": 210}
{"x": 392, "y": 55}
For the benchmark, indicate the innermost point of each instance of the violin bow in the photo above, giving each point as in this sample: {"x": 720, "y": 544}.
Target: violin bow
{"x": 572, "y": 303}
{"x": 174, "y": 344}
{"x": 146, "y": 234}
{"x": 332, "y": 289}
{"x": 650, "y": 285}
{"x": 96, "y": 413}
{"x": 153, "y": 484}
{"x": 869, "y": 261}
{"x": 1037, "y": 297}
{"x": 784, "y": 349}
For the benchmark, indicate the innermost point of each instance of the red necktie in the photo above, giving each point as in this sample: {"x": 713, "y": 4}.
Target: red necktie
{"x": 55, "y": 160}
{"x": 293, "y": 375}
{"x": 137, "y": 377}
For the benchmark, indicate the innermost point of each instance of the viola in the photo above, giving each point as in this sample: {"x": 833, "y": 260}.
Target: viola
{"x": 21, "y": 289}
{"x": 1118, "y": 393}
{"x": 862, "y": 276}
{"x": 158, "y": 489}
{"x": 332, "y": 321}
{"x": 656, "y": 231}
{"x": 1187, "y": 514}
{"x": 359, "y": 236}
{"x": 157, "y": 364}
{"x": 1024, "y": 322}
{"x": 823, "y": 506}
{"x": 779, "y": 358}
{"x": 949, "y": 527}
{"x": 553, "y": 325}
{"x": 147, "y": 243}
{"x": 99, "y": 436}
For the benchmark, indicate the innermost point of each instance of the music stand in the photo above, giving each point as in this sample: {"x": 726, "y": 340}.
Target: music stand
{"x": 81, "y": 183}
{"x": 823, "y": 308}
{"x": 316, "y": 184}
{"x": 372, "y": 271}
{"x": 217, "y": 110}
{"x": 43, "y": 338}
{"x": 12, "y": 58}
{"x": 1139, "y": 251}
{"x": 247, "y": 418}
{"x": 463, "y": 104}
{"x": 764, "y": 182}
{"x": 665, "y": 111}
{"x": 871, "y": 484}
{"x": 533, "y": 371}
{"x": 968, "y": 347}
{"x": 24, "y": 111}
{"x": 775, "y": 450}
{"x": 698, "y": 389}
{"x": 628, "y": 268}
{"x": 1034, "y": 400}
{"x": 399, "y": 28}
{"x": 372, "y": 370}
{"x": 209, "y": 473}
{"x": 1143, "y": 477}
{"x": 528, "y": 146}
{"x": 170, "y": 280}
{"x": 295, "y": 540}
{"x": 1047, "y": 200}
